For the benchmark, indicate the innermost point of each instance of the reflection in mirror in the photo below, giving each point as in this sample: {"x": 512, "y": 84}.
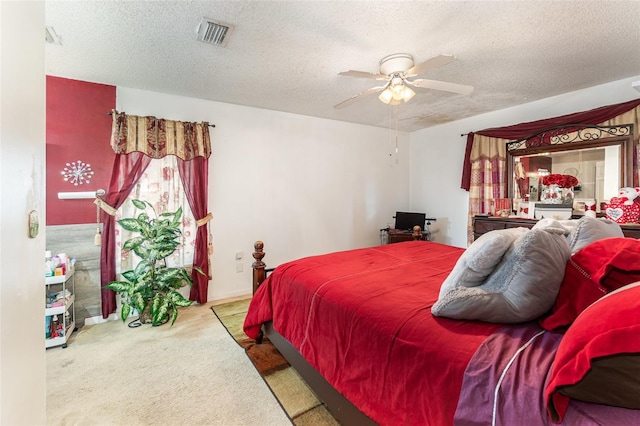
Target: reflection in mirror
{"x": 600, "y": 157}
{"x": 597, "y": 170}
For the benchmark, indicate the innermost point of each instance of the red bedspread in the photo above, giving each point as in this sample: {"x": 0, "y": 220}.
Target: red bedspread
{"x": 363, "y": 319}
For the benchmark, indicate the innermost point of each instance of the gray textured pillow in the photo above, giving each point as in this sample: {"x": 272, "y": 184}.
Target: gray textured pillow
{"x": 522, "y": 287}
{"x": 589, "y": 229}
{"x": 481, "y": 258}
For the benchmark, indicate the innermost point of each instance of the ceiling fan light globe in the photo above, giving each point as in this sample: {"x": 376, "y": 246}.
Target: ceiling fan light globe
{"x": 407, "y": 94}
{"x": 386, "y": 96}
{"x": 398, "y": 92}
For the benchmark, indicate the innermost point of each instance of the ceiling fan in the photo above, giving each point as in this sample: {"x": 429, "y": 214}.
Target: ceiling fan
{"x": 395, "y": 71}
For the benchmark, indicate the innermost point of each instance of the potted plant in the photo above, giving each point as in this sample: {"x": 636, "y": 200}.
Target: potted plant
{"x": 151, "y": 287}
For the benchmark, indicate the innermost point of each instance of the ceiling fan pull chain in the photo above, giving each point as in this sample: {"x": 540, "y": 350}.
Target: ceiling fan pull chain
{"x": 395, "y": 113}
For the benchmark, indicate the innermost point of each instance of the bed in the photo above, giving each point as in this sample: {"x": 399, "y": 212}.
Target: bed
{"x": 421, "y": 333}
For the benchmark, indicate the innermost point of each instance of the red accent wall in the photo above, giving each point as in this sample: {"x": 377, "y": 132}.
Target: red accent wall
{"x": 78, "y": 128}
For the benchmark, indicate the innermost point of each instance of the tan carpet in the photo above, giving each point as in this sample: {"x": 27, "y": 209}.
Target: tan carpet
{"x": 296, "y": 397}
{"x": 190, "y": 374}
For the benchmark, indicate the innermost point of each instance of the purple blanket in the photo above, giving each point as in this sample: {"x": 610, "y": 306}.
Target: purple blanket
{"x": 505, "y": 380}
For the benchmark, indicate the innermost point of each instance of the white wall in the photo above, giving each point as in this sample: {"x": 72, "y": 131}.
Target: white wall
{"x": 306, "y": 186}
{"x": 437, "y": 153}
{"x": 22, "y": 186}
{"x": 302, "y": 185}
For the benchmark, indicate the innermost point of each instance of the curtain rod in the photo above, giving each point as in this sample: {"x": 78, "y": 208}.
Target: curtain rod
{"x": 210, "y": 125}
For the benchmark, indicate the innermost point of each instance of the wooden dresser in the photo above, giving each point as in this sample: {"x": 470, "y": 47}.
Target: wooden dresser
{"x": 484, "y": 224}
{"x": 396, "y": 236}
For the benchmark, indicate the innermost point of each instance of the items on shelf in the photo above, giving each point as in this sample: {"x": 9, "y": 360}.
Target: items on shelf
{"x": 48, "y": 264}
{"x": 59, "y": 310}
{"x": 56, "y": 266}
{"x": 53, "y": 327}
{"x": 59, "y": 298}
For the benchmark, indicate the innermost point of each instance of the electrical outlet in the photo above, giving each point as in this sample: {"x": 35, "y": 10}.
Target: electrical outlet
{"x": 239, "y": 267}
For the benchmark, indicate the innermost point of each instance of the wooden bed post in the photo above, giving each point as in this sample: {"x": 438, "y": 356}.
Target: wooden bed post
{"x": 417, "y": 233}
{"x": 258, "y": 266}
{"x": 259, "y": 275}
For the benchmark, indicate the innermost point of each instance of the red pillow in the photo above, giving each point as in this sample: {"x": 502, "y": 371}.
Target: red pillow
{"x": 599, "y": 268}
{"x": 598, "y": 359}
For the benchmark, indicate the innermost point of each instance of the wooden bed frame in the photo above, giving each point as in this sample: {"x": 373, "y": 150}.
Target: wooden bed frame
{"x": 342, "y": 409}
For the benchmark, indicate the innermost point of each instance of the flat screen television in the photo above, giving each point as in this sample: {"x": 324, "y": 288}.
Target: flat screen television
{"x": 406, "y": 221}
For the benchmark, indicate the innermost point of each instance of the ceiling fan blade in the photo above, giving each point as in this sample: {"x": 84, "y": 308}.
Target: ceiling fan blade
{"x": 429, "y": 64}
{"x": 442, "y": 85}
{"x": 363, "y": 74}
{"x": 359, "y": 96}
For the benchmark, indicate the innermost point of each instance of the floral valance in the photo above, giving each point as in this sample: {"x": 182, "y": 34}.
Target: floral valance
{"x": 157, "y": 138}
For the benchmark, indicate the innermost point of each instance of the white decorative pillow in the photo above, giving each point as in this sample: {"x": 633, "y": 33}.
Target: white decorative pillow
{"x": 570, "y": 224}
{"x": 481, "y": 258}
{"x": 589, "y": 229}
{"x": 522, "y": 287}
{"x": 565, "y": 225}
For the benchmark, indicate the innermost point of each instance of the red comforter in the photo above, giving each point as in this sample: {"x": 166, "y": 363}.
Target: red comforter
{"x": 369, "y": 330}
{"x": 363, "y": 319}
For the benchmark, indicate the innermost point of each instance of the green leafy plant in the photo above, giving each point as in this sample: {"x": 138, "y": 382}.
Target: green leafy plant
{"x": 151, "y": 287}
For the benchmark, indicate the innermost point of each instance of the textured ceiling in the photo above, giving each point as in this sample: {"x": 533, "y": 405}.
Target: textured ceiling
{"x": 286, "y": 55}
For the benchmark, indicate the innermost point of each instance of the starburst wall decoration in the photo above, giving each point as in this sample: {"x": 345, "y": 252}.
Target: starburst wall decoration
{"x": 77, "y": 173}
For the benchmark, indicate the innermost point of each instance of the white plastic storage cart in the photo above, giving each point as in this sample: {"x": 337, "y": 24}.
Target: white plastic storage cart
{"x": 60, "y": 312}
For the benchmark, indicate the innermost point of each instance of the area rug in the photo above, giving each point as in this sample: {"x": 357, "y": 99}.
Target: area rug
{"x": 295, "y": 396}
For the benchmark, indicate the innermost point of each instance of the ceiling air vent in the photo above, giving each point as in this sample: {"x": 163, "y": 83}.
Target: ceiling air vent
{"x": 214, "y": 32}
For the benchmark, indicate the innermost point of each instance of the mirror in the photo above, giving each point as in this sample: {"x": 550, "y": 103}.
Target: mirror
{"x": 600, "y": 157}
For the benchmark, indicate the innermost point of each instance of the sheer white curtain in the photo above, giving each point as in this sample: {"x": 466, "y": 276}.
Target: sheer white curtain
{"x": 161, "y": 186}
